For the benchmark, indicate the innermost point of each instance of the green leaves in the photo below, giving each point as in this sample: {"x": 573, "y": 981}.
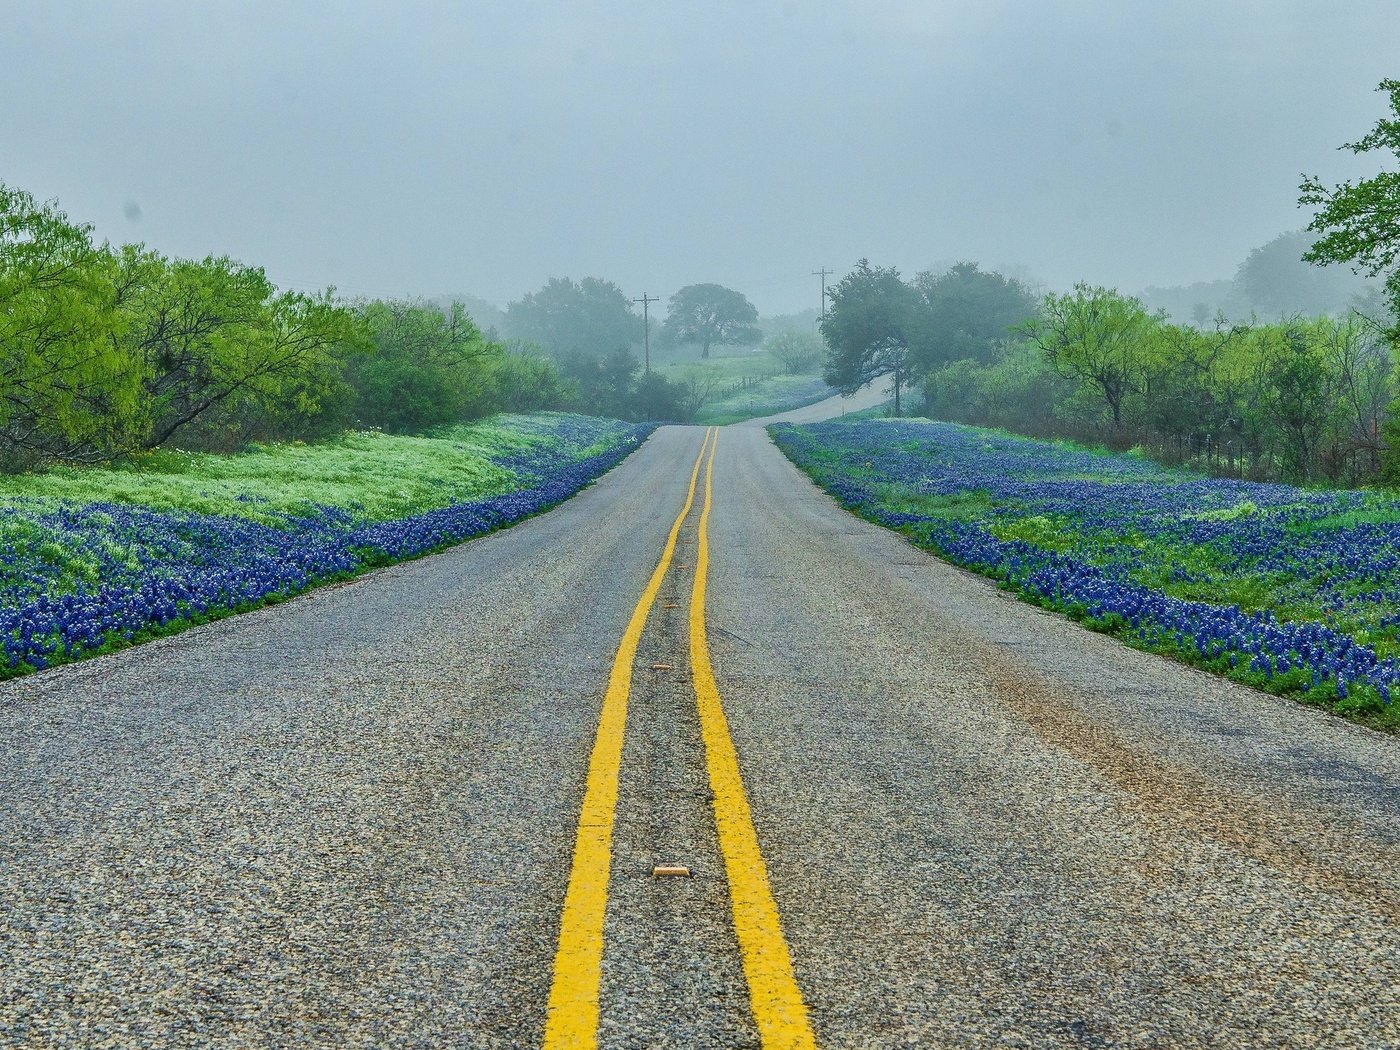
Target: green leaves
{"x": 1098, "y": 337}
{"x": 710, "y": 315}
{"x": 428, "y": 367}
{"x": 870, "y": 329}
{"x": 880, "y": 325}
{"x": 1360, "y": 222}
{"x": 970, "y": 312}
{"x": 68, "y": 385}
{"x": 106, "y": 350}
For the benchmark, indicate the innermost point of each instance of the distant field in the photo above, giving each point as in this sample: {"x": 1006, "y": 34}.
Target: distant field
{"x": 745, "y": 385}
{"x": 764, "y": 398}
{"x": 92, "y": 559}
{"x": 1289, "y": 589}
{"x": 725, "y": 365}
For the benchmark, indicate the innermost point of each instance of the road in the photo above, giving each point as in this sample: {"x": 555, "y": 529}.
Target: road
{"x": 362, "y": 818}
{"x": 868, "y": 396}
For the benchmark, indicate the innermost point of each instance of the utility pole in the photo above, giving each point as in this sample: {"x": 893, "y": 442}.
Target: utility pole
{"x": 822, "y": 273}
{"x": 646, "y": 301}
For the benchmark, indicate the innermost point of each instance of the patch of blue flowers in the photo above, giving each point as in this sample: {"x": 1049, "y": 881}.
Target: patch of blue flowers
{"x": 1107, "y": 538}
{"x": 147, "y": 570}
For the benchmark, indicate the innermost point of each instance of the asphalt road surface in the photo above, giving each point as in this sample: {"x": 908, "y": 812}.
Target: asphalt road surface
{"x": 424, "y": 808}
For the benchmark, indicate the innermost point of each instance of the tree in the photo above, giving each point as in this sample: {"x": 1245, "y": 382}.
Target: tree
{"x": 104, "y": 350}
{"x": 1298, "y": 393}
{"x": 1099, "y": 337}
{"x": 710, "y": 314}
{"x": 1276, "y": 281}
{"x": 1360, "y": 222}
{"x": 1187, "y": 387}
{"x": 69, "y": 387}
{"x": 214, "y": 335}
{"x": 591, "y": 317}
{"x": 798, "y": 352}
{"x": 429, "y": 367}
{"x": 1355, "y": 351}
{"x": 969, "y": 313}
{"x": 487, "y": 316}
{"x": 657, "y": 397}
{"x": 526, "y": 381}
{"x": 604, "y": 383}
{"x": 869, "y": 329}
{"x": 696, "y": 390}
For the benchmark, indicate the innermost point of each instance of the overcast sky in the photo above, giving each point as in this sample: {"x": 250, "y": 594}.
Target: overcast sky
{"x": 481, "y": 147}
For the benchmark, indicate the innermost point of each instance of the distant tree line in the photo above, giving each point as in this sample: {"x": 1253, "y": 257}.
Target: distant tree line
{"x": 1272, "y": 283}
{"x": 1304, "y": 398}
{"x": 106, "y": 351}
{"x": 591, "y": 331}
{"x": 879, "y": 324}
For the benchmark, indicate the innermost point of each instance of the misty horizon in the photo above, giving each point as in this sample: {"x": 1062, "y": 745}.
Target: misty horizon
{"x": 424, "y": 152}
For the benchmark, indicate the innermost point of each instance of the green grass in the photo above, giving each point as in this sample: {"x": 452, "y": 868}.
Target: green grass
{"x": 378, "y": 476}
{"x": 727, "y": 366}
{"x": 96, "y": 559}
{"x": 1024, "y": 512}
{"x": 764, "y": 397}
{"x": 746, "y": 384}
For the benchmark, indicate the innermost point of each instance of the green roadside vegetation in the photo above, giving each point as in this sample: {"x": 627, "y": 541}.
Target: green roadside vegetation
{"x": 745, "y": 384}
{"x": 1280, "y": 587}
{"x": 376, "y": 476}
{"x": 1289, "y": 375}
{"x": 95, "y": 559}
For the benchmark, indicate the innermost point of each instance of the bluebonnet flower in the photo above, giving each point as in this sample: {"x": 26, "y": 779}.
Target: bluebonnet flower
{"x": 144, "y": 570}
{"x": 1109, "y": 536}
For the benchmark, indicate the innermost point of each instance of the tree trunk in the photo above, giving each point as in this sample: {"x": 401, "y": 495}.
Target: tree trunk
{"x": 896, "y": 394}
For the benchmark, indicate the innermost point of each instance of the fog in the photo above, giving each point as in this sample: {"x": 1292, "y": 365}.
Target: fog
{"x": 393, "y": 149}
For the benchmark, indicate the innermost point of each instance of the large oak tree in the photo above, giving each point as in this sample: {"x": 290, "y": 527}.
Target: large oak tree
{"x": 871, "y": 329}
{"x": 710, "y": 315}
{"x": 970, "y": 313}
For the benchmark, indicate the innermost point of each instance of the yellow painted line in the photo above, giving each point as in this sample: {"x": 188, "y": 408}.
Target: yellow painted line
{"x": 572, "y": 1020}
{"x": 777, "y": 1003}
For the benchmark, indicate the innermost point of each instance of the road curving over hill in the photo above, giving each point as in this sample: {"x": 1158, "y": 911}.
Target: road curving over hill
{"x": 355, "y": 819}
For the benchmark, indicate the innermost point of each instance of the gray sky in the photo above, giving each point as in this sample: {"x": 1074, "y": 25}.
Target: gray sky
{"x": 482, "y": 147}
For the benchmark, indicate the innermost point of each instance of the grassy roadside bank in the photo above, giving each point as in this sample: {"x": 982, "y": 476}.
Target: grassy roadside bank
{"x": 97, "y": 559}
{"x": 1286, "y": 589}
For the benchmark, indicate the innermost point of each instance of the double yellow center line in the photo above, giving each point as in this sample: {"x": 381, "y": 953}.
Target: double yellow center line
{"x": 777, "y": 1004}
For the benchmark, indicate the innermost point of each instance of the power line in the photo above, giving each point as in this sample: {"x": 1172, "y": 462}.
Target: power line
{"x": 646, "y": 301}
